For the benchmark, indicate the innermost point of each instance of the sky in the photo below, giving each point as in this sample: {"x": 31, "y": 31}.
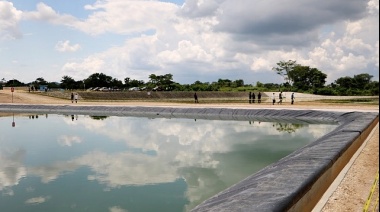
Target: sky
{"x": 203, "y": 40}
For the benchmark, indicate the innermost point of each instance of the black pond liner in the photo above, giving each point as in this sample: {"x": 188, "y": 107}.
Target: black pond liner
{"x": 277, "y": 187}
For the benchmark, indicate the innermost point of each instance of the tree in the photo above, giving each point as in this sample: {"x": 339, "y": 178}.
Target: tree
{"x": 305, "y": 78}
{"x": 136, "y": 83}
{"x": 259, "y": 84}
{"x": 373, "y": 88}
{"x": 98, "y": 80}
{"x": 68, "y": 82}
{"x": 345, "y": 82}
{"x": 200, "y": 86}
{"x": 284, "y": 68}
{"x": 126, "y": 82}
{"x": 41, "y": 81}
{"x": 115, "y": 83}
{"x": 358, "y": 85}
{"x": 13, "y": 83}
{"x": 362, "y": 80}
{"x": 238, "y": 83}
{"x": 224, "y": 82}
{"x": 165, "y": 82}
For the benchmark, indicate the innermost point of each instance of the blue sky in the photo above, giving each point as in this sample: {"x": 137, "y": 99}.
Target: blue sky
{"x": 191, "y": 39}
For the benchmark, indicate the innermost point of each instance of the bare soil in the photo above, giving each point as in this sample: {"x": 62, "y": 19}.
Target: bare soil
{"x": 352, "y": 191}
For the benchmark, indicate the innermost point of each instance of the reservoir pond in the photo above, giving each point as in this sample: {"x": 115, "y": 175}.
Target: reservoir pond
{"x": 82, "y": 163}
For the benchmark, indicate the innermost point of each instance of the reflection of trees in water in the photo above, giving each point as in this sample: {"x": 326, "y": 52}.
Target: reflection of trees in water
{"x": 287, "y": 127}
{"x": 99, "y": 117}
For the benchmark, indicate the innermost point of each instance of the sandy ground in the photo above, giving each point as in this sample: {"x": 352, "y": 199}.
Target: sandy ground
{"x": 351, "y": 189}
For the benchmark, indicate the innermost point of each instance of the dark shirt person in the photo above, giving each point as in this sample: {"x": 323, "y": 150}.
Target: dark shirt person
{"x": 195, "y": 98}
{"x": 259, "y": 97}
{"x": 292, "y": 98}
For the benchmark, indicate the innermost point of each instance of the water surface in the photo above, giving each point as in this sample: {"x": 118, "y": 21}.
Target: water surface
{"x": 97, "y": 163}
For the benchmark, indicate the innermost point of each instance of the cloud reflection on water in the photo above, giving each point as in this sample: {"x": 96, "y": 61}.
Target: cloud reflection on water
{"x": 156, "y": 151}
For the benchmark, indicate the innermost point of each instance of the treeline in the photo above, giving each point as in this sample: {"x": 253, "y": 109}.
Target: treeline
{"x": 297, "y": 78}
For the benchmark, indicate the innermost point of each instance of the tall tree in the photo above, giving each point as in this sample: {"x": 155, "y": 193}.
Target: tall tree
{"x": 164, "y": 81}
{"x": 238, "y": 83}
{"x": 305, "y": 78}
{"x": 67, "y": 82}
{"x": 14, "y": 83}
{"x": 362, "y": 80}
{"x": 39, "y": 81}
{"x": 98, "y": 80}
{"x": 283, "y": 68}
{"x": 224, "y": 82}
{"x": 345, "y": 82}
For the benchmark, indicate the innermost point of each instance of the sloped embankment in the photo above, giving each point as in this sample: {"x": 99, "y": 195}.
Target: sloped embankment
{"x": 156, "y": 96}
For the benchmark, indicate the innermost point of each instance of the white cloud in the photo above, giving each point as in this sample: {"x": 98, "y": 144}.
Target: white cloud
{"x": 90, "y": 65}
{"x": 208, "y": 40}
{"x": 47, "y": 13}
{"x": 37, "y": 200}
{"x": 127, "y": 16}
{"x": 64, "y": 46}
{"x": 117, "y": 209}
{"x": 12, "y": 170}
{"x": 66, "y": 140}
{"x": 9, "y": 21}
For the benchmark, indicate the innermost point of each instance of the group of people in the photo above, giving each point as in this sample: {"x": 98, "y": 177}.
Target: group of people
{"x": 252, "y": 97}
{"x": 280, "y": 97}
{"x": 74, "y": 97}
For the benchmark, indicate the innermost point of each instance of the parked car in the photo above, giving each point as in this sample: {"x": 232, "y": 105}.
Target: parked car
{"x": 104, "y": 89}
{"x": 157, "y": 88}
{"x": 134, "y": 89}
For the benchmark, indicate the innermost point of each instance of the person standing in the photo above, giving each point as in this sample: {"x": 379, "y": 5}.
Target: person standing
{"x": 273, "y": 99}
{"x": 259, "y": 98}
{"x": 292, "y": 98}
{"x": 195, "y": 98}
{"x": 72, "y": 97}
{"x": 253, "y": 97}
{"x": 280, "y": 98}
{"x": 250, "y": 97}
{"x": 76, "y": 97}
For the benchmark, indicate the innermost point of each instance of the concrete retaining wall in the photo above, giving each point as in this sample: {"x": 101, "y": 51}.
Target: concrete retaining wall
{"x": 294, "y": 183}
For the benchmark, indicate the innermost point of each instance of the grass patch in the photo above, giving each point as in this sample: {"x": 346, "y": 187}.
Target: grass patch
{"x": 367, "y": 101}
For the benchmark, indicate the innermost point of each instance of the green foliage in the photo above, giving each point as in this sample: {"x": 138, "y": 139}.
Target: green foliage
{"x": 14, "y": 83}
{"x": 298, "y": 79}
{"x": 165, "y": 82}
{"x": 68, "y": 82}
{"x": 98, "y": 80}
{"x": 358, "y": 85}
{"x": 283, "y": 68}
{"x": 306, "y": 78}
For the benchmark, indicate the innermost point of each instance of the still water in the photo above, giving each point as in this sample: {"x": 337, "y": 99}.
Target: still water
{"x": 117, "y": 164}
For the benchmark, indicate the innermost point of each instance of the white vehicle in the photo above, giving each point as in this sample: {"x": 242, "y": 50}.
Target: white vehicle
{"x": 134, "y": 89}
{"x": 104, "y": 89}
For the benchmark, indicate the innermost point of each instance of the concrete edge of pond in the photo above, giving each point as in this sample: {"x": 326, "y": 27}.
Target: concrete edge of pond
{"x": 294, "y": 183}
